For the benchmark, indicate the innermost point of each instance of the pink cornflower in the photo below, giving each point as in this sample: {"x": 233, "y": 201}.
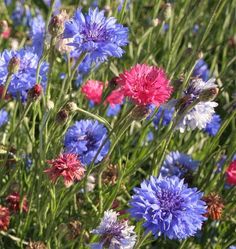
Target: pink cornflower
{"x": 145, "y": 85}
{"x": 231, "y": 173}
{"x": 93, "y": 90}
{"x": 115, "y": 98}
{"x": 4, "y": 218}
{"x": 68, "y": 166}
{"x": 14, "y": 202}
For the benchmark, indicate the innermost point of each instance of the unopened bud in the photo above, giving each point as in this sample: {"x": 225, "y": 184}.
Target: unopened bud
{"x": 113, "y": 83}
{"x": 208, "y": 94}
{"x": 35, "y": 92}
{"x": 36, "y": 245}
{"x": 200, "y": 55}
{"x": 70, "y": 107}
{"x": 50, "y": 104}
{"x": 62, "y": 117}
{"x": 140, "y": 112}
{"x": 56, "y": 26}
{"x": 3, "y": 26}
{"x": 168, "y": 11}
{"x": 13, "y": 65}
{"x": 156, "y": 22}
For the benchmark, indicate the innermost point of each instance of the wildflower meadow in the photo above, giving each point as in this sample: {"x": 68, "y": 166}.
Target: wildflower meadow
{"x": 117, "y": 124}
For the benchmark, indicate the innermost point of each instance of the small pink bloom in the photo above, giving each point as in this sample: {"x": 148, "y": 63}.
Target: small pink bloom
{"x": 6, "y": 33}
{"x": 116, "y": 97}
{"x": 231, "y": 173}
{"x": 4, "y": 218}
{"x": 14, "y": 202}
{"x": 68, "y": 166}
{"x": 93, "y": 90}
{"x": 145, "y": 85}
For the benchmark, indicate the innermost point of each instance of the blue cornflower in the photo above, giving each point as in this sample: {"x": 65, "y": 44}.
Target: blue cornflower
{"x": 201, "y": 70}
{"x": 25, "y": 78}
{"x": 3, "y": 117}
{"x": 213, "y": 126}
{"x": 164, "y": 114}
{"x": 121, "y": 3}
{"x": 85, "y": 138}
{"x": 96, "y": 35}
{"x": 232, "y": 247}
{"x": 21, "y": 15}
{"x": 168, "y": 207}
{"x": 114, "y": 233}
{"x": 178, "y": 164}
{"x": 113, "y": 110}
{"x": 37, "y": 33}
{"x": 57, "y": 4}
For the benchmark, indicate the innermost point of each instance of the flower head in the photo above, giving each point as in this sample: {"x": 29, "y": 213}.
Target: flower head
{"x": 68, "y": 166}
{"x": 145, "y": 85}
{"x": 168, "y": 207}
{"x": 213, "y": 126}
{"x": 37, "y": 33}
{"x": 201, "y": 114}
{"x": 214, "y": 206}
{"x": 178, "y": 164}
{"x": 25, "y": 78}
{"x": 114, "y": 233}
{"x": 231, "y": 173}
{"x": 3, "y": 117}
{"x": 96, "y": 35}
{"x": 4, "y": 218}
{"x": 84, "y": 138}
{"x": 14, "y": 202}
{"x": 93, "y": 90}
{"x": 201, "y": 70}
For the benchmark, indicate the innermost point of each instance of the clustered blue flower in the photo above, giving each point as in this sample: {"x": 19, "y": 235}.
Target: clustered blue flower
{"x": 96, "y": 35}
{"x": 85, "y": 138}
{"x": 3, "y": 117}
{"x": 178, "y": 164}
{"x": 168, "y": 207}
{"x": 25, "y": 78}
{"x": 201, "y": 70}
{"x": 213, "y": 126}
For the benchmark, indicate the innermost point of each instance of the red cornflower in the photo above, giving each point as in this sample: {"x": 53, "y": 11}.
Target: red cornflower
{"x": 231, "y": 173}
{"x": 145, "y": 85}
{"x": 68, "y": 166}
{"x": 14, "y": 202}
{"x": 93, "y": 90}
{"x": 4, "y": 218}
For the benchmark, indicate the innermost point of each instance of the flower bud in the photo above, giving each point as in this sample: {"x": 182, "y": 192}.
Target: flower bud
{"x": 36, "y": 245}
{"x": 112, "y": 84}
{"x": 214, "y": 206}
{"x": 62, "y": 117}
{"x": 56, "y": 26}
{"x": 70, "y": 107}
{"x": 5, "y": 30}
{"x": 156, "y": 22}
{"x": 35, "y": 92}
{"x": 140, "y": 112}
{"x": 50, "y": 104}
{"x": 13, "y": 65}
{"x": 208, "y": 94}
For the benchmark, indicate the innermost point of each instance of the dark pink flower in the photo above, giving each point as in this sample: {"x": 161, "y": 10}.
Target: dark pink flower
{"x": 116, "y": 97}
{"x": 231, "y": 173}
{"x": 68, "y": 166}
{"x": 93, "y": 90}
{"x": 4, "y": 218}
{"x": 145, "y": 85}
{"x": 14, "y": 202}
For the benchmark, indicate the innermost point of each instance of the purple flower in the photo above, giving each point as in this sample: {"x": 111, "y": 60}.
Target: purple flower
{"x": 114, "y": 234}
{"x": 3, "y": 117}
{"x": 178, "y": 164}
{"x": 168, "y": 207}
{"x": 37, "y": 34}
{"x": 96, "y": 35}
{"x": 213, "y": 126}
{"x": 84, "y": 138}
{"x": 201, "y": 70}
{"x": 25, "y": 78}
{"x": 113, "y": 110}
